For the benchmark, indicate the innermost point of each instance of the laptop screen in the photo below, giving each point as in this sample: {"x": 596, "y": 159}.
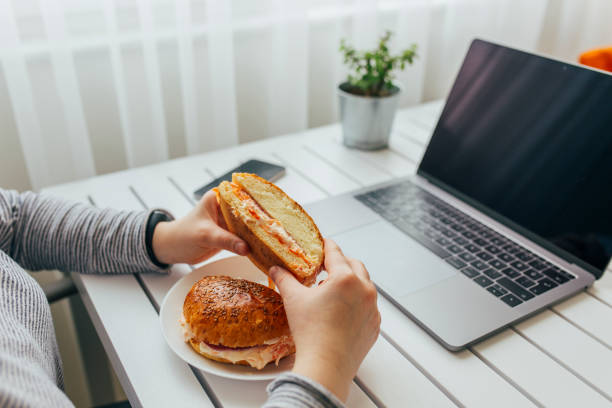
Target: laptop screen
{"x": 529, "y": 139}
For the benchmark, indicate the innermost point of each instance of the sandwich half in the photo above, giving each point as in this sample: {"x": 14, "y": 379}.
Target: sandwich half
{"x": 277, "y": 229}
{"x": 236, "y": 321}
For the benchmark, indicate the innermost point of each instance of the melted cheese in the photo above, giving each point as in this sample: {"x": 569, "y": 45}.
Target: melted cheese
{"x": 257, "y": 356}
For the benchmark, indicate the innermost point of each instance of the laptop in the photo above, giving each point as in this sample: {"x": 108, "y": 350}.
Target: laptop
{"x": 511, "y": 207}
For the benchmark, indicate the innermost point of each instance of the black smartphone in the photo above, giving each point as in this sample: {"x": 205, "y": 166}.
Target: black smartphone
{"x": 268, "y": 171}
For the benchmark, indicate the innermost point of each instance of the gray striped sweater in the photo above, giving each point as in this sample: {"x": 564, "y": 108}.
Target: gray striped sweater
{"x": 40, "y": 232}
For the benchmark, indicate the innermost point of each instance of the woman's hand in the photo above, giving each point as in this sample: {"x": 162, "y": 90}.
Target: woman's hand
{"x": 334, "y": 325}
{"x": 197, "y": 236}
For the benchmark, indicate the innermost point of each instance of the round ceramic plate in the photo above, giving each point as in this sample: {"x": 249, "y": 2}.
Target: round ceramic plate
{"x": 172, "y": 308}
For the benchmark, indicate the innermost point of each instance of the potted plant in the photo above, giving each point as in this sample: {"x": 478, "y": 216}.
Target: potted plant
{"x": 368, "y": 99}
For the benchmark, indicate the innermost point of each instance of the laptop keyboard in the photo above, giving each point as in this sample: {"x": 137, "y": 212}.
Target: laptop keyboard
{"x": 500, "y": 266}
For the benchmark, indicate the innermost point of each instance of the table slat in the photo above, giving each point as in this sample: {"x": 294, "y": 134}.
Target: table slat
{"x": 406, "y": 128}
{"x": 602, "y": 289}
{"x": 319, "y": 172}
{"x": 465, "y": 376}
{"x": 425, "y": 115}
{"x": 362, "y": 172}
{"x": 588, "y": 313}
{"x": 406, "y": 147}
{"x": 536, "y": 373}
{"x": 385, "y": 160}
{"x": 396, "y": 382}
{"x": 584, "y": 355}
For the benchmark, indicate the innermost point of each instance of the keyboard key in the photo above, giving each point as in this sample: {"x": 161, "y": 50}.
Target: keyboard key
{"x": 467, "y": 257}
{"x": 474, "y": 227}
{"x": 511, "y": 273}
{"x": 461, "y": 241}
{"x": 481, "y": 242}
{"x": 423, "y": 240}
{"x": 456, "y": 262}
{"x": 555, "y": 275}
{"x": 525, "y": 282}
{"x": 469, "y": 235}
{"x": 498, "y": 241}
{"x": 470, "y": 272}
{"x": 492, "y": 273}
{"x": 519, "y": 265}
{"x": 445, "y": 221}
{"x": 515, "y": 288}
{"x": 447, "y": 233}
{"x": 487, "y": 234}
{"x": 479, "y": 265}
{"x": 543, "y": 286}
{"x": 538, "y": 264}
{"x": 493, "y": 249}
{"x": 510, "y": 248}
{"x": 457, "y": 228}
{"x": 497, "y": 290}
{"x": 454, "y": 249}
{"x": 483, "y": 281}
{"x": 443, "y": 241}
{"x": 497, "y": 264}
{"x": 505, "y": 257}
{"x": 472, "y": 248}
{"x": 485, "y": 256}
{"x": 458, "y": 218}
{"x": 532, "y": 274}
{"x": 511, "y": 300}
{"x": 523, "y": 256}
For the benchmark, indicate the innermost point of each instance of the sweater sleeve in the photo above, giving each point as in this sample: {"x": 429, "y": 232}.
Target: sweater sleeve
{"x": 43, "y": 232}
{"x": 297, "y": 391}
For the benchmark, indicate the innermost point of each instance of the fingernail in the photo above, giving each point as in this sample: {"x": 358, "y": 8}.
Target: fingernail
{"x": 240, "y": 248}
{"x": 273, "y": 272}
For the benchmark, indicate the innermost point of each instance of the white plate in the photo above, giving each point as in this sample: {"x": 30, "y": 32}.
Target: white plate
{"x": 172, "y": 308}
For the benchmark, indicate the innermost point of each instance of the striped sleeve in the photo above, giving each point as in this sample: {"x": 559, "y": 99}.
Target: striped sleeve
{"x": 297, "y": 391}
{"x": 43, "y": 232}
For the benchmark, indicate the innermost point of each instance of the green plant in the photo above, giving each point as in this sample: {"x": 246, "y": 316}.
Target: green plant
{"x": 373, "y": 70}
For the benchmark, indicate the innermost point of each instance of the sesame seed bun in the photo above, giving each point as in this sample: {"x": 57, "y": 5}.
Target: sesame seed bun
{"x": 222, "y": 311}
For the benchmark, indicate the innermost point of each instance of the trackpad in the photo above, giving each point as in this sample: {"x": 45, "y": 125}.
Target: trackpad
{"x": 397, "y": 263}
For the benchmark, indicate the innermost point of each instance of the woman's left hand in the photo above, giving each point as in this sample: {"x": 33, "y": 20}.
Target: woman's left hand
{"x": 197, "y": 236}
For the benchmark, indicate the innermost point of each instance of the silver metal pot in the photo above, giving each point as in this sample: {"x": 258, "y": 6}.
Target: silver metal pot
{"x": 366, "y": 120}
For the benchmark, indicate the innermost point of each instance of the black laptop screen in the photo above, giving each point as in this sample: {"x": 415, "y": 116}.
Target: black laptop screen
{"x": 530, "y": 139}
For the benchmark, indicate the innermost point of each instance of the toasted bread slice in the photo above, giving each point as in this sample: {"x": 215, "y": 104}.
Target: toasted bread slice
{"x": 277, "y": 229}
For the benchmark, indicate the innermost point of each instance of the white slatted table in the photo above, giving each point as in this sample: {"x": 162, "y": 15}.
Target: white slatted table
{"x": 560, "y": 358}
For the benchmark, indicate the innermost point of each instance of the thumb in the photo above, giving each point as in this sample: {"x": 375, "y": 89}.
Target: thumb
{"x": 284, "y": 280}
{"x": 220, "y": 238}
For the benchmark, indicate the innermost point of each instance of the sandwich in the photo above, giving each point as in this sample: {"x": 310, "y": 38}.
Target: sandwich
{"x": 277, "y": 229}
{"x": 236, "y": 321}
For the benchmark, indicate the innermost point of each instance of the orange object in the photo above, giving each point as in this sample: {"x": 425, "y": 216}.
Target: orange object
{"x": 271, "y": 284}
{"x": 598, "y": 58}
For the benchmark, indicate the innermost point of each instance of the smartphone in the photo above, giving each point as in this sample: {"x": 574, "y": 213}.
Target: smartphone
{"x": 268, "y": 171}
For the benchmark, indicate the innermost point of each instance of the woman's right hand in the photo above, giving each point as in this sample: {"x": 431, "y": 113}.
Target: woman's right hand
{"x": 335, "y": 324}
